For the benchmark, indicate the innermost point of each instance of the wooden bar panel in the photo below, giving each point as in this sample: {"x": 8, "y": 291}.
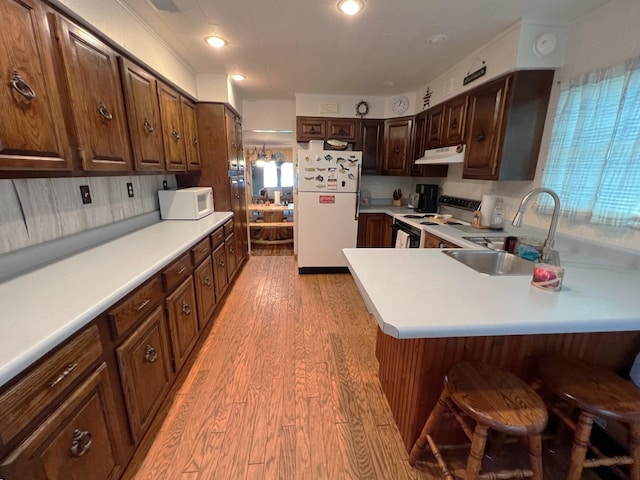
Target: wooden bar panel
{"x": 412, "y": 370}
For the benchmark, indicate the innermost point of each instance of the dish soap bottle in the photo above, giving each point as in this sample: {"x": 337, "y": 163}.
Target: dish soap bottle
{"x": 496, "y": 222}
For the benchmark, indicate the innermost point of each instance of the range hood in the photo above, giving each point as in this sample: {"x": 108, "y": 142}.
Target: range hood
{"x": 444, "y": 155}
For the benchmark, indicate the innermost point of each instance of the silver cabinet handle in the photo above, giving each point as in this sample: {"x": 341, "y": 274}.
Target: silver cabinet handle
{"x": 148, "y": 125}
{"x": 194, "y": 139}
{"x": 143, "y": 304}
{"x": 22, "y": 87}
{"x": 65, "y": 373}
{"x": 106, "y": 114}
{"x": 150, "y": 354}
{"x": 182, "y": 270}
{"x": 186, "y": 309}
{"x": 175, "y": 134}
{"x": 81, "y": 443}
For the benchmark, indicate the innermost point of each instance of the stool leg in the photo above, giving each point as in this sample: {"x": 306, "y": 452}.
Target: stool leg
{"x": 535, "y": 456}
{"x": 474, "y": 461}
{"x": 580, "y": 444}
{"x": 421, "y": 443}
{"x": 634, "y": 450}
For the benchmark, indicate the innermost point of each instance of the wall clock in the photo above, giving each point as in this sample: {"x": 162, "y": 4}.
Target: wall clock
{"x": 362, "y": 108}
{"x": 400, "y": 105}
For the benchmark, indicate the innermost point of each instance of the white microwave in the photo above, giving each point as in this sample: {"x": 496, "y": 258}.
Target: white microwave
{"x": 186, "y": 204}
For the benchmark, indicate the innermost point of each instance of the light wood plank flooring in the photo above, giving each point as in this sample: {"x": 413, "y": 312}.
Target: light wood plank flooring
{"x": 284, "y": 387}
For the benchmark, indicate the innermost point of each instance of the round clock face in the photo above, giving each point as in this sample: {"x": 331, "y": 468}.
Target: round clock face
{"x": 400, "y": 105}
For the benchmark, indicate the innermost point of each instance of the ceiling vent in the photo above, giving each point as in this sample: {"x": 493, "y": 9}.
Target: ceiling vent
{"x": 164, "y": 6}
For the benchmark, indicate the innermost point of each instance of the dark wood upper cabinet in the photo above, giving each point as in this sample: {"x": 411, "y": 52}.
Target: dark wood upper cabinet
{"x": 398, "y": 149}
{"x": 311, "y": 128}
{"x": 505, "y": 123}
{"x": 172, "y": 129}
{"x": 342, "y": 129}
{"x": 435, "y": 122}
{"x": 33, "y": 134}
{"x": 90, "y": 69}
{"x": 371, "y": 143}
{"x": 454, "y": 120}
{"x": 190, "y": 128}
{"x": 326, "y": 128}
{"x": 143, "y": 112}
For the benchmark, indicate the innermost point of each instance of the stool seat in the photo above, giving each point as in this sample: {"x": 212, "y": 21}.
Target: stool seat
{"x": 496, "y": 398}
{"x": 592, "y": 389}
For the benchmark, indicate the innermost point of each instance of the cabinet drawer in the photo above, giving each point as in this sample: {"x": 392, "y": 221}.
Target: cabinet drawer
{"x": 228, "y": 228}
{"x": 177, "y": 271}
{"x": 217, "y": 238}
{"x": 25, "y": 400}
{"x": 200, "y": 251}
{"x": 135, "y": 306}
{"x": 77, "y": 440}
{"x": 145, "y": 371}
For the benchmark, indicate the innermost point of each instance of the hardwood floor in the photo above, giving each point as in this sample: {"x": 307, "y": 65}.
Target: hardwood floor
{"x": 285, "y": 387}
{"x": 263, "y": 249}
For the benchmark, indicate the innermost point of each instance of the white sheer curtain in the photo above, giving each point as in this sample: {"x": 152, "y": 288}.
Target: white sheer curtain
{"x": 594, "y": 156}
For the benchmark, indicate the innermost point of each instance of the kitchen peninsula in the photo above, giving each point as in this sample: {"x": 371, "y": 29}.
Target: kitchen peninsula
{"x": 433, "y": 312}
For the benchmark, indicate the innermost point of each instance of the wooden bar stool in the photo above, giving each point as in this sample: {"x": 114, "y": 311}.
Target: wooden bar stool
{"x": 495, "y": 400}
{"x": 595, "y": 391}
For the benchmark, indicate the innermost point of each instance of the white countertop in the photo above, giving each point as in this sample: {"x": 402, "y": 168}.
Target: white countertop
{"x": 40, "y": 309}
{"x": 420, "y": 293}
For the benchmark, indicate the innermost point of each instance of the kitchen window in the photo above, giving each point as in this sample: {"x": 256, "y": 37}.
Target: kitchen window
{"x": 594, "y": 155}
{"x": 278, "y": 174}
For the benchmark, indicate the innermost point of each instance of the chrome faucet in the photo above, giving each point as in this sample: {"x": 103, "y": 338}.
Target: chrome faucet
{"x": 549, "y": 255}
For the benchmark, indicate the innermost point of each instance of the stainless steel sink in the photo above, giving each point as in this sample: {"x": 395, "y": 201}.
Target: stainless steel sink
{"x": 492, "y": 262}
{"x": 487, "y": 241}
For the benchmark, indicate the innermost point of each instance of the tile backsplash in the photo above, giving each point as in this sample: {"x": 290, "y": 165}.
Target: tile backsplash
{"x": 36, "y": 210}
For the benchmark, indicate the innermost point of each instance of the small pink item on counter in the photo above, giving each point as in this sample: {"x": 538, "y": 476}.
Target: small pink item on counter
{"x": 547, "y": 277}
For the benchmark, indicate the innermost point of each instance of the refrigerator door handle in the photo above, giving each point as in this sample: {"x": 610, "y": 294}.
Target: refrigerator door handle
{"x": 358, "y": 195}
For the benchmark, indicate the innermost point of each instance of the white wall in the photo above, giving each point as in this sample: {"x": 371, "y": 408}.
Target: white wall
{"x": 604, "y": 36}
{"x": 309, "y": 105}
{"x": 120, "y": 24}
{"x": 269, "y": 115}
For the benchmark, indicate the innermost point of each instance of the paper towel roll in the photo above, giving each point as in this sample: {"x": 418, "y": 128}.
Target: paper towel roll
{"x": 486, "y": 208}
{"x": 276, "y": 197}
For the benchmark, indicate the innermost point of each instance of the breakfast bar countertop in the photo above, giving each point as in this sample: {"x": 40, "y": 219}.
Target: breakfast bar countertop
{"x": 42, "y": 308}
{"x": 422, "y": 293}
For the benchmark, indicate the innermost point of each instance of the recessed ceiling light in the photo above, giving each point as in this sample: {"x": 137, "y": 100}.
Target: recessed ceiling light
{"x": 350, "y": 7}
{"x": 438, "y": 39}
{"x": 238, "y": 77}
{"x": 216, "y": 41}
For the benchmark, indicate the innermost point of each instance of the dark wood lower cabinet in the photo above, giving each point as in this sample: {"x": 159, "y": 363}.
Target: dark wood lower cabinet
{"x": 374, "y": 230}
{"x": 230, "y": 248}
{"x": 77, "y": 441}
{"x": 144, "y": 360}
{"x": 219, "y": 257}
{"x": 183, "y": 321}
{"x": 205, "y": 290}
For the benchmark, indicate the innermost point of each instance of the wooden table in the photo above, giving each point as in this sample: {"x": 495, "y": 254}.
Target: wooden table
{"x": 273, "y": 229}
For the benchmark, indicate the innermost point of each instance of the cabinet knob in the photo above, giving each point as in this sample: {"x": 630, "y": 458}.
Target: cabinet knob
{"x": 207, "y": 281}
{"x": 81, "y": 443}
{"x": 147, "y": 125}
{"x": 186, "y": 309}
{"x": 221, "y": 263}
{"x": 104, "y": 111}
{"x": 312, "y": 130}
{"x": 396, "y": 149}
{"x": 231, "y": 250}
{"x": 480, "y": 137}
{"x": 150, "y": 354}
{"x": 454, "y": 124}
{"x": 22, "y": 87}
{"x": 194, "y": 140}
{"x": 342, "y": 132}
{"x": 175, "y": 134}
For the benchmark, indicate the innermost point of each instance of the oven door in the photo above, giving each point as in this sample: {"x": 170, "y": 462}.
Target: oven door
{"x": 414, "y": 234}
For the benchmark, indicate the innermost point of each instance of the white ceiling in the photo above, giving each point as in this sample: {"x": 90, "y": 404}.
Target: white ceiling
{"x": 307, "y": 46}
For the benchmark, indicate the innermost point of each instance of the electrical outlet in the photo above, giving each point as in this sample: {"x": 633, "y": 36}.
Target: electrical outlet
{"x": 165, "y": 185}
{"x": 130, "y": 189}
{"x": 85, "y": 194}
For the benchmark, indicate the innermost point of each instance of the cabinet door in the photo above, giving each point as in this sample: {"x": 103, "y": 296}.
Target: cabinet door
{"x": 238, "y": 192}
{"x": 454, "y": 121}
{"x": 388, "y": 231}
{"x": 145, "y": 371}
{"x": 143, "y": 110}
{"x": 190, "y": 134}
{"x": 398, "y": 151}
{"x": 33, "y": 134}
{"x": 97, "y": 103}
{"x": 220, "y": 270}
{"x": 183, "y": 321}
{"x": 78, "y": 440}
{"x": 342, "y": 129}
{"x": 230, "y": 248}
{"x": 434, "y": 127}
{"x": 372, "y": 146}
{"x": 310, "y": 128}
{"x": 484, "y": 120}
{"x": 205, "y": 290}
{"x": 232, "y": 140}
{"x": 374, "y": 230}
{"x": 419, "y": 142}
{"x": 172, "y": 129}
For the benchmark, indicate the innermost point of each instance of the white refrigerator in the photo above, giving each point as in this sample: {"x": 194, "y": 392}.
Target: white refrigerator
{"x": 327, "y": 208}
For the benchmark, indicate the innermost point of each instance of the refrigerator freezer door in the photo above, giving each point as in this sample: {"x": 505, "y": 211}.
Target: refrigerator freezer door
{"x": 329, "y": 171}
{"x": 326, "y": 224}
